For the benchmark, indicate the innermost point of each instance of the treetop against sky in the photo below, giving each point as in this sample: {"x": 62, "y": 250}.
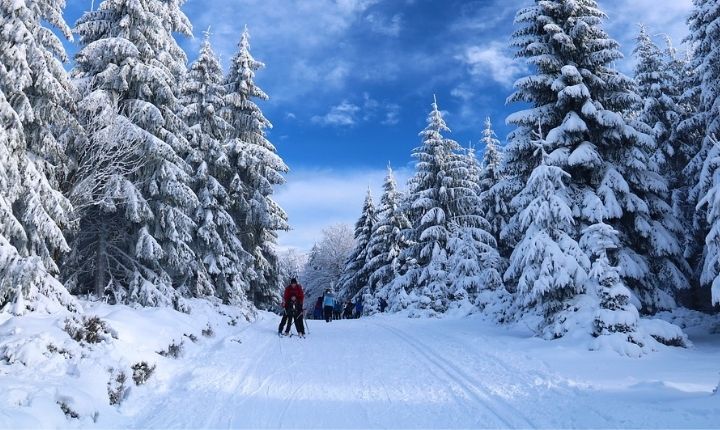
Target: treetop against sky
{"x": 350, "y": 81}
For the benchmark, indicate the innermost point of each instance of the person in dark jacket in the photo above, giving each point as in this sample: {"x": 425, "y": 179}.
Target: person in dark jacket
{"x": 293, "y": 306}
{"x": 337, "y": 311}
{"x": 383, "y": 304}
{"x": 348, "y": 310}
{"x": 318, "y": 311}
{"x": 358, "y": 308}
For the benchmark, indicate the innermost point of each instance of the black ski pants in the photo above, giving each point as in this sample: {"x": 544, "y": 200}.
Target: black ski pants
{"x": 328, "y": 313}
{"x": 288, "y": 319}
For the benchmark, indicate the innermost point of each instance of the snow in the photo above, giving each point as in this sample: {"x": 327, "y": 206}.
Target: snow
{"x": 385, "y": 371}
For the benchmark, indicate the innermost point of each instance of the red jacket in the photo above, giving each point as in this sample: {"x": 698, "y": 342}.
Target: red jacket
{"x": 293, "y": 290}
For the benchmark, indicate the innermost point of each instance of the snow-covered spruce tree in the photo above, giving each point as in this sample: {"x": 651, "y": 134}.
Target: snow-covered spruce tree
{"x": 685, "y": 138}
{"x": 256, "y": 168}
{"x": 584, "y": 104}
{"x": 710, "y": 204}
{"x": 473, "y": 260}
{"x": 223, "y": 268}
{"x": 36, "y": 122}
{"x": 657, "y": 86}
{"x": 136, "y": 235}
{"x": 440, "y": 194}
{"x": 493, "y": 196}
{"x": 475, "y": 267}
{"x": 356, "y": 272}
{"x": 547, "y": 265}
{"x": 703, "y": 168}
{"x": 616, "y": 319}
{"x": 386, "y": 241}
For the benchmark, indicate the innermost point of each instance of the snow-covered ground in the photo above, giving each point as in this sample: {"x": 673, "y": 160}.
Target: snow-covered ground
{"x": 380, "y": 372}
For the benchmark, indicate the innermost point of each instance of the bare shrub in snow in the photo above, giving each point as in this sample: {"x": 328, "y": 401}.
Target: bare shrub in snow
{"x": 174, "y": 350}
{"x": 116, "y": 386}
{"x": 67, "y": 411}
{"x": 142, "y": 372}
{"x": 89, "y": 329}
{"x": 62, "y": 351}
{"x": 208, "y": 331}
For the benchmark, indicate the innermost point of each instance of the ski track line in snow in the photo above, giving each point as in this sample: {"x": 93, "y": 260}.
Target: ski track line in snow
{"x": 161, "y": 416}
{"x": 457, "y": 376}
{"x": 574, "y": 402}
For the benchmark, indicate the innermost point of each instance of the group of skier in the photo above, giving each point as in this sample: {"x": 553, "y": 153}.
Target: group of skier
{"x": 327, "y": 307}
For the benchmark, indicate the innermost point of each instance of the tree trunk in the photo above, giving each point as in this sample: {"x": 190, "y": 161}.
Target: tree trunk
{"x": 101, "y": 264}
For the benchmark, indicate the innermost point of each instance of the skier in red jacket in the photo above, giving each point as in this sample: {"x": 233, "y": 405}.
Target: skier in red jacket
{"x": 293, "y": 308}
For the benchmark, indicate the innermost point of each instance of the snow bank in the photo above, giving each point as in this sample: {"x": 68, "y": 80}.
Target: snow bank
{"x": 65, "y": 370}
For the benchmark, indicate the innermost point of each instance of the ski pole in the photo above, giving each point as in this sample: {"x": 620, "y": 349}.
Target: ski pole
{"x": 307, "y": 329}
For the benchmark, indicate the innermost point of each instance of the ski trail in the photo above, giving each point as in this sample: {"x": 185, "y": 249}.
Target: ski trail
{"x": 366, "y": 373}
{"x": 530, "y": 384}
{"x": 508, "y": 415}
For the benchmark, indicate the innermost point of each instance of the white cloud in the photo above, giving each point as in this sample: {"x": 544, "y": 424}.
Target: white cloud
{"x": 292, "y": 37}
{"x": 315, "y": 199}
{"x": 493, "y": 60}
{"x": 392, "y": 114}
{"x": 481, "y": 16}
{"x": 661, "y": 18}
{"x": 344, "y": 114}
{"x": 348, "y": 114}
{"x": 463, "y": 92}
{"x": 383, "y": 25}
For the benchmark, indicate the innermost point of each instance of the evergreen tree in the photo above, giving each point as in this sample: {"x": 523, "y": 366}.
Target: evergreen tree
{"x": 705, "y": 123}
{"x": 685, "y": 139}
{"x": 257, "y": 169}
{"x": 473, "y": 260}
{"x": 584, "y": 104}
{"x": 387, "y": 240}
{"x": 657, "y": 87}
{"x": 470, "y": 162}
{"x": 493, "y": 195}
{"x": 356, "y": 273}
{"x": 616, "y": 319}
{"x": 474, "y": 266}
{"x": 223, "y": 266}
{"x": 439, "y": 195}
{"x": 710, "y": 204}
{"x": 36, "y": 122}
{"x": 136, "y": 233}
{"x": 547, "y": 265}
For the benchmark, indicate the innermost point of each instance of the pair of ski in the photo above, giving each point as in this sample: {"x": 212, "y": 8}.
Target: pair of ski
{"x": 302, "y": 336}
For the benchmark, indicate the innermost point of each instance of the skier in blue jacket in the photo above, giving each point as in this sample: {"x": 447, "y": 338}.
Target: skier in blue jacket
{"x": 328, "y": 304}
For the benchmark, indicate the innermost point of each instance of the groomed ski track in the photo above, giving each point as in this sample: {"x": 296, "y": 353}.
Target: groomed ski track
{"x": 385, "y": 372}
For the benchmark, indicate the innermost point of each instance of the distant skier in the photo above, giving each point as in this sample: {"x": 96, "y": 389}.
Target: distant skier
{"x": 328, "y": 304}
{"x": 383, "y": 304}
{"x": 337, "y": 312}
{"x": 348, "y": 310}
{"x": 358, "y": 307}
{"x": 318, "y": 310}
{"x": 293, "y": 305}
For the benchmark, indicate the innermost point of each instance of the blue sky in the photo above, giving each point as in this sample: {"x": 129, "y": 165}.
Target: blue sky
{"x": 351, "y": 82}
